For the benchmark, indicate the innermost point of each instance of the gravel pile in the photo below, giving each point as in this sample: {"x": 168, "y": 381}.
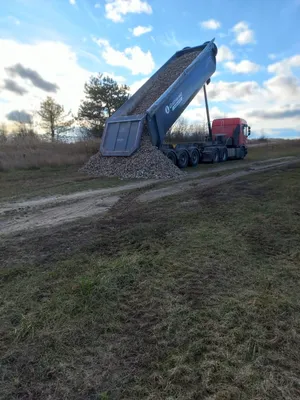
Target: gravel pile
{"x": 147, "y": 163}
{"x": 164, "y": 80}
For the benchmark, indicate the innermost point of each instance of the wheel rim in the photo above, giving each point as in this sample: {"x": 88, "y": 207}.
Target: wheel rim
{"x": 224, "y": 156}
{"x": 183, "y": 159}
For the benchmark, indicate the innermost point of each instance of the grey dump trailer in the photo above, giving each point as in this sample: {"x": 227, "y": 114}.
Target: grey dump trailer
{"x": 154, "y": 108}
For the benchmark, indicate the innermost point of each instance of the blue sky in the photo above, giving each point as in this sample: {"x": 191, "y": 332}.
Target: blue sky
{"x": 65, "y": 41}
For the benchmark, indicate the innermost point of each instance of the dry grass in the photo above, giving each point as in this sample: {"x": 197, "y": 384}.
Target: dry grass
{"x": 35, "y": 153}
{"x": 270, "y": 149}
{"x": 192, "y": 297}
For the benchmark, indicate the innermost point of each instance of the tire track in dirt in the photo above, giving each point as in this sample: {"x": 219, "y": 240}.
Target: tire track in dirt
{"x": 156, "y": 194}
{"x": 53, "y": 211}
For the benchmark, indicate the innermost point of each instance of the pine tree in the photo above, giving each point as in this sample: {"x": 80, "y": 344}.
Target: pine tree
{"x": 103, "y": 96}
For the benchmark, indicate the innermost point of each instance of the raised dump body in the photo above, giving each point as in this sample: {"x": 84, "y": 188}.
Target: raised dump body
{"x": 155, "y": 107}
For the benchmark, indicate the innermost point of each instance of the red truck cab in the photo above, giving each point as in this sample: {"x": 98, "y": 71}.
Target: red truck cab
{"x": 235, "y": 131}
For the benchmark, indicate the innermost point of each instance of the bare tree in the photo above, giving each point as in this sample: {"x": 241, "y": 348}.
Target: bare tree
{"x": 183, "y": 131}
{"x": 53, "y": 117}
{"x": 23, "y": 124}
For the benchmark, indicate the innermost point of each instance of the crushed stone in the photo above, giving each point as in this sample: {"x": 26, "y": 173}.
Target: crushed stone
{"x": 148, "y": 162}
{"x": 164, "y": 80}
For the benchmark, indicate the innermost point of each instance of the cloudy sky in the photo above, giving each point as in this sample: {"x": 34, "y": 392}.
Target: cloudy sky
{"x": 51, "y": 47}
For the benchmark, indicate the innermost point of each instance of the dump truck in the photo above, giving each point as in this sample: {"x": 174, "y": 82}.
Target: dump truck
{"x": 155, "y": 107}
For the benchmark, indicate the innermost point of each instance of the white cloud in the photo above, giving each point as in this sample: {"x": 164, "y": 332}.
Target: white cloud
{"x": 141, "y": 30}
{"x": 285, "y": 87}
{"x": 224, "y": 54}
{"x": 137, "y": 84}
{"x": 116, "y": 9}
{"x": 243, "y": 34}
{"x": 243, "y": 67}
{"x": 65, "y": 73}
{"x": 240, "y": 26}
{"x": 97, "y": 5}
{"x": 272, "y": 105}
{"x": 72, "y": 2}
{"x": 132, "y": 58}
{"x": 101, "y": 42}
{"x": 170, "y": 40}
{"x": 229, "y": 91}
{"x": 198, "y": 114}
{"x": 118, "y": 78}
{"x": 284, "y": 66}
{"x": 210, "y": 24}
{"x": 272, "y": 56}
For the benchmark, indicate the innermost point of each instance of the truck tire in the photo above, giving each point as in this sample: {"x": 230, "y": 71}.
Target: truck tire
{"x": 182, "y": 159}
{"x": 242, "y": 153}
{"x": 216, "y": 156}
{"x": 172, "y": 156}
{"x": 194, "y": 158}
{"x": 224, "y": 155}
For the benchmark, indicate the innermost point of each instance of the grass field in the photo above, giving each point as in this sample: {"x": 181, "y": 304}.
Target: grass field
{"x": 273, "y": 150}
{"x": 48, "y": 181}
{"x": 35, "y": 153}
{"x": 64, "y": 178}
{"x": 192, "y": 297}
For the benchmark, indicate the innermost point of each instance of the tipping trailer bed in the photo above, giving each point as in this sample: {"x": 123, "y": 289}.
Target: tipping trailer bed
{"x": 160, "y": 101}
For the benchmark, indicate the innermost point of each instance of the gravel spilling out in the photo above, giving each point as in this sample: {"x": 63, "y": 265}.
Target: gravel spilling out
{"x": 164, "y": 80}
{"x": 147, "y": 163}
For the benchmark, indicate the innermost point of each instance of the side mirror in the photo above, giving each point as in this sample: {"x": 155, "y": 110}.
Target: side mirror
{"x": 249, "y": 130}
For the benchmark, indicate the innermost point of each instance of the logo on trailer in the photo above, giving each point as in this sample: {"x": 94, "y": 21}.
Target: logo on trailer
{"x": 174, "y": 104}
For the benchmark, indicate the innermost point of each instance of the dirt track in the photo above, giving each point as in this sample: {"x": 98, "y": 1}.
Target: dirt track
{"x": 53, "y": 211}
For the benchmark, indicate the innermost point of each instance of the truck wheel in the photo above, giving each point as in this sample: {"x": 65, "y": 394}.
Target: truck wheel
{"x": 216, "y": 156}
{"x": 242, "y": 153}
{"x": 172, "y": 156}
{"x": 194, "y": 158}
{"x": 224, "y": 155}
{"x": 182, "y": 159}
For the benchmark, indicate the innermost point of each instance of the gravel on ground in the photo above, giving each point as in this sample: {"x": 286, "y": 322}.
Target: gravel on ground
{"x": 148, "y": 162}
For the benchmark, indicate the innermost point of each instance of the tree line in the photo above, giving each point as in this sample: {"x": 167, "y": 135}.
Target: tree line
{"x": 102, "y": 97}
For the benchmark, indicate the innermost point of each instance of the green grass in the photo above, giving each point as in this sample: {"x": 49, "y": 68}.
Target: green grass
{"x": 192, "y": 297}
{"x": 274, "y": 150}
{"x": 268, "y": 151}
{"x": 48, "y": 181}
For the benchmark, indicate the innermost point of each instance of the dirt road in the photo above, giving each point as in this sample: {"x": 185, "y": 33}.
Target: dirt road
{"x": 58, "y": 210}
